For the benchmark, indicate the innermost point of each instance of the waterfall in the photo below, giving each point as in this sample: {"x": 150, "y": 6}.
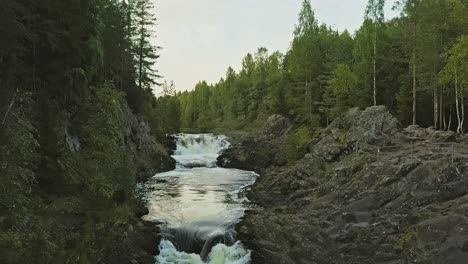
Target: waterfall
{"x": 199, "y": 204}
{"x": 199, "y": 150}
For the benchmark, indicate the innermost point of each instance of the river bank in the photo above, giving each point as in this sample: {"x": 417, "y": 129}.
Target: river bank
{"x": 367, "y": 191}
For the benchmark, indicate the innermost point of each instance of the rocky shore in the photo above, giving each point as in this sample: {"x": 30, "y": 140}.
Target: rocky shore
{"x": 367, "y": 191}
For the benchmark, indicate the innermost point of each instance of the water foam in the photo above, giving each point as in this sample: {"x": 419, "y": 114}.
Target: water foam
{"x": 199, "y": 150}
{"x": 220, "y": 254}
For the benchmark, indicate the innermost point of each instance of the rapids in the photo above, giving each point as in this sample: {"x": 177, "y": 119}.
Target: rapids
{"x": 199, "y": 204}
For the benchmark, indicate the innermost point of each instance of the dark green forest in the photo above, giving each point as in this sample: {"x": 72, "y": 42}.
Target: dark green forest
{"x": 76, "y": 79}
{"x": 415, "y": 64}
{"x": 79, "y": 119}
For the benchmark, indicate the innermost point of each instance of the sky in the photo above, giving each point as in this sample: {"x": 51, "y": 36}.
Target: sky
{"x": 200, "y": 39}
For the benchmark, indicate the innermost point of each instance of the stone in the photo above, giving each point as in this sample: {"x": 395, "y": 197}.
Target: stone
{"x": 277, "y": 125}
{"x": 404, "y": 204}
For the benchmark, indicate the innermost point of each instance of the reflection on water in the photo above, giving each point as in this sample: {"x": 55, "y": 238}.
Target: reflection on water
{"x": 189, "y": 196}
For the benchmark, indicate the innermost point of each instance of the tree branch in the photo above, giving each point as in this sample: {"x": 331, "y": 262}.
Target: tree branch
{"x": 10, "y": 106}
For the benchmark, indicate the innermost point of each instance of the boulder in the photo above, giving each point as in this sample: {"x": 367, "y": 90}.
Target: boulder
{"x": 261, "y": 150}
{"x": 430, "y": 135}
{"x": 138, "y": 245}
{"x": 277, "y": 126}
{"x": 439, "y": 136}
{"x": 371, "y": 128}
{"x": 375, "y": 126}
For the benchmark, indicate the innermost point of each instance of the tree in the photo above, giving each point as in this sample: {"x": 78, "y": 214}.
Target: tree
{"x": 168, "y": 89}
{"x": 303, "y": 62}
{"x": 343, "y": 88}
{"x": 456, "y": 73}
{"x": 144, "y": 50}
{"x": 375, "y": 13}
{"x": 410, "y": 9}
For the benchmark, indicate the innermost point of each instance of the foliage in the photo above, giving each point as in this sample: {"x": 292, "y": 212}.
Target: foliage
{"x": 68, "y": 74}
{"x": 324, "y": 72}
{"x": 343, "y": 87}
{"x": 298, "y": 143}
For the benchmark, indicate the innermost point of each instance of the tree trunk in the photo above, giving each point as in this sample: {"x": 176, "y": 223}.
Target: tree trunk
{"x": 140, "y": 55}
{"x": 457, "y": 105}
{"x": 414, "y": 72}
{"x": 374, "y": 61}
{"x": 450, "y": 118}
{"x": 306, "y": 100}
{"x": 10, "y": 106}
{"x": 441, "y": 107}
{"x": 462, "y": 124}
{"x": 436, "y": 102}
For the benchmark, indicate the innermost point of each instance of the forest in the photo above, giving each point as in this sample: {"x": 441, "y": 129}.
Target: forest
{"x": 76, "y": 80}
{"x": 415, "y": 64}
{"x": 79, "y": 117}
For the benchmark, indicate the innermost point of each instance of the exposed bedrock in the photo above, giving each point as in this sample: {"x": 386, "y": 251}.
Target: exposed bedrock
{"x": 367, "y": 191}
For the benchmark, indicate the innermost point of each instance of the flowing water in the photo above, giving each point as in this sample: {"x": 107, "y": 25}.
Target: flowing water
{"x": 199, "y": 204}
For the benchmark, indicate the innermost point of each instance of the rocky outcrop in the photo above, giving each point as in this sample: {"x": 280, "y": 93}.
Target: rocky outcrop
{"x": 367, "y": 192}
{"x": 143, "y": 151}
{"x": 262, "y": 150}
{"x": 416, "y": 133}
{"x": 277, "y": 126}
{"x": 137, "y": 245}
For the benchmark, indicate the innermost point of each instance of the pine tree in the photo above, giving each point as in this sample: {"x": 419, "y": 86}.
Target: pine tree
{"x": 145, "y": 51}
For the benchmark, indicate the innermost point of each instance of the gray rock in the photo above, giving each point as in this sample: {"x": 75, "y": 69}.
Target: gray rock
{"x": 277, "y": 126}
{"x": 406, "y": 203}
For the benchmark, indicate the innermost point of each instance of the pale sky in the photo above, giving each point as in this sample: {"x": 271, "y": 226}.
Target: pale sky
{"x": 202, "y": 38}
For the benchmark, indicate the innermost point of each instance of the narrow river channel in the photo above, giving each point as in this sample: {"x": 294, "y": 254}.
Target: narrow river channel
{"x": 199, "y": 204}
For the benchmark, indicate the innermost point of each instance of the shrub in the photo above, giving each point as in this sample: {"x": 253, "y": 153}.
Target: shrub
{"x": 298, "y": 142}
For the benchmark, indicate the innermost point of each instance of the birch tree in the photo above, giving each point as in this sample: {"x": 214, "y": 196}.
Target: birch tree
{"x": 375, "y": 13}
{"x": 456, "y": 73}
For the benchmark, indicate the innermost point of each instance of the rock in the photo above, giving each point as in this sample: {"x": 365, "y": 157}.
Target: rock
{"x": 140, "y": 209}
{"x": 73, "y": 142}
{"x": 397, "y": 198}
{"x": 442, "y": 136}
{"x": 253, "y": 154}
{"x": 442, "y": 239}
{"x": 375, "y": 126}
{"x": 277, "y": 126}
{"x": 416, "y": 133}
{"x": 259, "y": 151}
{"x": 372, "y": 128}
{"x": 170, "y": 142}
{"x": 147, "y": 156}
{"x": 139, "y": 245}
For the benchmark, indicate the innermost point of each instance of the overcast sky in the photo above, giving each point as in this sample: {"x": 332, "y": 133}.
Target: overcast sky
{"x": 202, "y": 38}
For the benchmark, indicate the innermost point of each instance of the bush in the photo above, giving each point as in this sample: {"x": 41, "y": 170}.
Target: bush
{"x": 298, "y": 142}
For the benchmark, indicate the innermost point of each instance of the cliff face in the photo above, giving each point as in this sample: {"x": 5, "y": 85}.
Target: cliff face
{"x": 367, "y": 192}
{"x": 68, "y": 181}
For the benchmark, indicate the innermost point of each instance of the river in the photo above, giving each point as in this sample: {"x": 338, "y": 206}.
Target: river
{"x": 199, "y": 204}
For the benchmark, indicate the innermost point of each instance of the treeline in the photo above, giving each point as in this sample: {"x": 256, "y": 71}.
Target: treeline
{"x": 69, "y": 71}
{"x": 415, "y": 65}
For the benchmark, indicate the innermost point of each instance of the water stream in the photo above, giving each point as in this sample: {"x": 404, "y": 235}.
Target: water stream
{"x": 199, "y": 204}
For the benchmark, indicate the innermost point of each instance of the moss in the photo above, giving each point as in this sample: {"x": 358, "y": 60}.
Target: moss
{"x": 406, "y": 240}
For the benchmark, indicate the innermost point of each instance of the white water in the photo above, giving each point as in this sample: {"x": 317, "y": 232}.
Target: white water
{"x": 199, "y": 150}
{"x": 199, "y": 205}
{"x": 235, "y": 254}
